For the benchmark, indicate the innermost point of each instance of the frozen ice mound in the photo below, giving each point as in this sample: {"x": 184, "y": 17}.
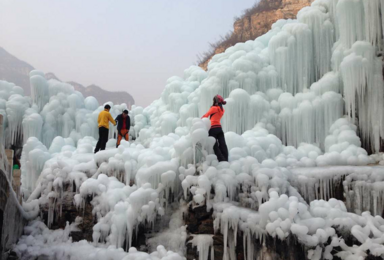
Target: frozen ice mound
{"x": 302, "y": 102}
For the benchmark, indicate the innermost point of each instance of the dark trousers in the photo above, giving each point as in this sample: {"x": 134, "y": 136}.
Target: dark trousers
{"x": 220, "y": 146}
{"x": 103, "y": 139}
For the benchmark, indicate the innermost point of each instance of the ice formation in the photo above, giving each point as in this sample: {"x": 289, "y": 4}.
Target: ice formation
{"x": 39, "y": 241}
{"x": 304, "y": 111}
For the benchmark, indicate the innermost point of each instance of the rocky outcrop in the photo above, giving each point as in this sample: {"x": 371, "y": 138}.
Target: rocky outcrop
{"x": 257, "y": 21}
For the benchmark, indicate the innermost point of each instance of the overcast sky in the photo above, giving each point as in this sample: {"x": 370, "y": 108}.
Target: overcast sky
{"x": 130, "y": 45}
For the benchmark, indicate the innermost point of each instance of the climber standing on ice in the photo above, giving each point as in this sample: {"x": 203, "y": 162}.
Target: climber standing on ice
{"x": 103, "y": 121}
{"x": 123, "y": 126}
{"x": 215, "y": 113}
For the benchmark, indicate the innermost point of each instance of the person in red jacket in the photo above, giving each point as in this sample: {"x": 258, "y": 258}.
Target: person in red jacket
{"x": 215, "y": 113}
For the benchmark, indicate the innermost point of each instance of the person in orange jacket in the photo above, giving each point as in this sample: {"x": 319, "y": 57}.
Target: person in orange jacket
{"x": 123, "y": 126}
{"x": 215, "y": 113}
{"x": 103, "y": 122}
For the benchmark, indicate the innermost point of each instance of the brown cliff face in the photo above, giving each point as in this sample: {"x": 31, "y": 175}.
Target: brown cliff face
{"x": 258, "y": 21}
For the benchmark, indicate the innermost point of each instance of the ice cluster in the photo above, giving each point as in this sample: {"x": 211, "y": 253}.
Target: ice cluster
{"x": 55, "y": 109}
{"x": 39, "y": 241}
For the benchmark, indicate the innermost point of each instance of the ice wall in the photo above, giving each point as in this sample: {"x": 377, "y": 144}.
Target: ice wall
{"x": 298, "y": 79}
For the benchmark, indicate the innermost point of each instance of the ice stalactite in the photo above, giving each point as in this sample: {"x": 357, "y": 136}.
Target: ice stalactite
{"x": 373, "y": 31}
{"x": 33, "y": 158}
{"x": 318, "y": 19}
{"x": 290, "y": 50}
{"x": 32, "y": 124}
{"x": 361, "y": 71}
{"x": 364, "y": 191}
{"x": 307, "y": 117}
{"x": 39, "y": 88}
{"x": 351, "y": 22}
{"x": 13, "y": 105}
{"x": 16, "y": 107}
{"x": 204, "y": 245}
{"x": 237, "y": 111}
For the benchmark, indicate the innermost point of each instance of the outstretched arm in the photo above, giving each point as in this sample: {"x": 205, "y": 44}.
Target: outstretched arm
{"x": 110, "y": 118}
{"x": 211, "y": 111}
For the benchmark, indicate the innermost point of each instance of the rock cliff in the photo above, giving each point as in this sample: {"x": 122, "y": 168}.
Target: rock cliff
{"x": 257, "y": 21}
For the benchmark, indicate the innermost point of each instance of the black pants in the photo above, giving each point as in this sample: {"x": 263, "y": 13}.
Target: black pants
{"x": 220, "y": 146}
{"x": 103, "y": 139}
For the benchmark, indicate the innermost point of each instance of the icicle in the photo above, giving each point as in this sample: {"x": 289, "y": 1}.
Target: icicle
{"x": 350, "y": 18}
{"x": 323, "y": 36}
{"x": 363, "y": 91}
{"x": 373, "y": 30}
{"x": 204, "y": 244}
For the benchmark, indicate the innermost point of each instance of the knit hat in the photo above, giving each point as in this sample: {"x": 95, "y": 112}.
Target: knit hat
{"x": 220, "y": 100}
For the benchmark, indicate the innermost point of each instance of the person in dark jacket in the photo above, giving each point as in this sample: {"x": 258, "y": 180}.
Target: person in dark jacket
{"x": 123, "y": 126}
{"x": 215, "y": 113}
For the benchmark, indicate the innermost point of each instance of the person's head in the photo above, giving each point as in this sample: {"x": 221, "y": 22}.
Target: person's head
{"x": 125, "y": 113}
{"x": 218, "y": 101}
{"x": 107, "y": 107}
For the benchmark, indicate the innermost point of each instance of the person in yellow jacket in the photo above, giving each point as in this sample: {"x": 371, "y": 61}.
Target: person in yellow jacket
{"x": 103, "y": 121}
